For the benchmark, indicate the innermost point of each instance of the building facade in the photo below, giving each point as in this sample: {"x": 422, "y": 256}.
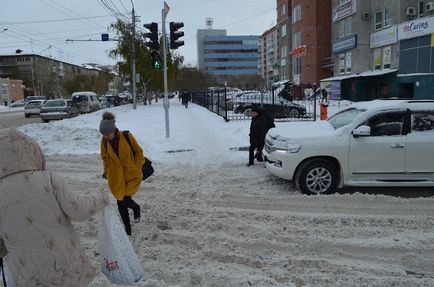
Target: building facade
{"x": 311, "y": 43}
{"x": 382, "y": 49}
{"x": 269, "y": 57}
{"x": 200, "y": 35}
{"x": 228, "y": 56}
{"x": 10, "y": 91}
{"x": 284, "y": 39}
{"x": 41, "y": 75}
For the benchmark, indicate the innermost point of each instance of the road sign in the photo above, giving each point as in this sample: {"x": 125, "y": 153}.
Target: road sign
{"x": 104, "y": 37}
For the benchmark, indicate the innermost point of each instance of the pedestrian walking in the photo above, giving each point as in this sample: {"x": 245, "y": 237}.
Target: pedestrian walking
{"x": 37, "y": 240}
{"x": 122, "y": 160}
{"x": 258, "y": 130}
{"x": 185, "y": 96}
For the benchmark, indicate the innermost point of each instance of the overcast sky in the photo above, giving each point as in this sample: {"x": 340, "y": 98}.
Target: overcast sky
{"x": 43, "y": 26}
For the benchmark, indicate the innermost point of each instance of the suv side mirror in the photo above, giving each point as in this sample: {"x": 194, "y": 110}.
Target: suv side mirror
{"x": 362, "y": 131}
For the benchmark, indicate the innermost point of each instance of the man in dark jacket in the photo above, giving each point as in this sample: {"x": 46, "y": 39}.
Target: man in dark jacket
{"x": 185, "y": 97}
{"x": 258, "y": 130}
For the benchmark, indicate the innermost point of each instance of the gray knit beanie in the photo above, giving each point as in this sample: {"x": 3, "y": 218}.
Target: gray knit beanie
{"x": 107, "y": 126}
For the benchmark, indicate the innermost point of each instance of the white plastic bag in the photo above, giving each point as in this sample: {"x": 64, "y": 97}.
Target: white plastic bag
{"x": 119, "y": 261}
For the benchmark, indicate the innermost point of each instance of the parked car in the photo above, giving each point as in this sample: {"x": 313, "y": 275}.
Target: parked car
{"x": 282, "y": 108}
{"x": 33, "y": 108}
{"x": 87, "y": 101}
{"x": 378, "y": 143}
{"x": 17, "y": 104}
{"x": 114, "y": 100}
{"x": 104, "y": 103}
{"x": 58, "y": 109}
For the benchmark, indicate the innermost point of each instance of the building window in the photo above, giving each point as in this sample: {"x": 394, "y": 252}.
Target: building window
{"x": 377, "y": 59}
{"x": 283, "y": 31}
{"x": 387, "y": 54}
{"x": 345, "y": 27}
{"x": 4, "y": 91}
{"x": 284, "y": 52}
{"x": 296, "y": 15}
{"x": 296, "y": 41}
{"x": 342, "y": 63}
{"x": 348, "y": 63}
{"x": 382, "y": 19}
{"x": 382, "y": 58}
{"x": 297, "y": 65}
{"x": 283, "y": 10}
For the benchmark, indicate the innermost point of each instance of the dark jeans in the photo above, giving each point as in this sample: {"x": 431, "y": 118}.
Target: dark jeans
{"x": 252, "y": 152}
{"x": 123, "y": 206}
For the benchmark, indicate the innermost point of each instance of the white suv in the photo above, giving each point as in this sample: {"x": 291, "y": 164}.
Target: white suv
{"x": 377, "y": 143}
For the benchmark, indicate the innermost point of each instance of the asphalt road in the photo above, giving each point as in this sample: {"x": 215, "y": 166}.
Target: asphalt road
{"x": 16, "y": 118}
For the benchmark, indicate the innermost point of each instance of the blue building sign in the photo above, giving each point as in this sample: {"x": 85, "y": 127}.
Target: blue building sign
{"x": 347, "y": 43}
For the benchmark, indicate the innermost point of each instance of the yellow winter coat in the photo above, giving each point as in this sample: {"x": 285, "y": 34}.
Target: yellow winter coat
{"x": 123, "y": 171}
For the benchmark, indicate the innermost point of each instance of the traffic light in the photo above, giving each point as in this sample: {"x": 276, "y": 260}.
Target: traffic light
{"x": 153, "y": 44}
{"x": 155, "y": 60}
{"x": 175, "y": 35}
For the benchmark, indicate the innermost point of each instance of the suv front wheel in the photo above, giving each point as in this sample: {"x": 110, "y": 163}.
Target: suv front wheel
{"x": 317, "y": 176}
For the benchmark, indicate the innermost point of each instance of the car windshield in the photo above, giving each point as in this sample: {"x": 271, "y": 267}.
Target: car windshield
{"x": 55, "y": 103}
{"x": 345, "y": 117}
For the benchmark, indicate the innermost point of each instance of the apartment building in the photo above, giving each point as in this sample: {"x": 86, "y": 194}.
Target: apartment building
{"x": 41, "y": 75}
{"x": 311, "y": 43}
{"x": 284, "y": 39}
{"x": 269, "y": 60}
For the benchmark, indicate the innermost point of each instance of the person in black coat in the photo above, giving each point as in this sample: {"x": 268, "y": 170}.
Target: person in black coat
{"x": 185, "y": 97}
{"x": 258, "y": 130}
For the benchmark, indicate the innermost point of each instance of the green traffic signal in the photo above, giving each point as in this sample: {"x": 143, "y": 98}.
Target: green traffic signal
{"x": 155, "y": 60}
{"x": 157, "y": 65}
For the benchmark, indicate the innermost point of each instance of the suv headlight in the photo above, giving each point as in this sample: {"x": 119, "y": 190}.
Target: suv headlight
{"x": 293, "y": 148}
{"x": 289, "y": 148}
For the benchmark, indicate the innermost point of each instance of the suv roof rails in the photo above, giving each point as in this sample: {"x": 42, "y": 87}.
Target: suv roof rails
{"x": 421, "y": 101}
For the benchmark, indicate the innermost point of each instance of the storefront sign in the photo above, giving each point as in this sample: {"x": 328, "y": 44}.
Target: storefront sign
{"x": 416, "y": 28}
{"x": 384, "y": 37}
{"x": 299, "y": 51}
{"x": 344, "y": 10}
{"x": 346, "y": 43}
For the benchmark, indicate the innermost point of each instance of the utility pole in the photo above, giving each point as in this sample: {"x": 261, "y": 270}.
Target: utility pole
{"x": 166, "y": 97}
{"x": 133, "y": 57}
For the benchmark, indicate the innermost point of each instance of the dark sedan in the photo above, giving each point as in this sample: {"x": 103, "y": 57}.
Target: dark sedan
{"x": 287, "y": 110}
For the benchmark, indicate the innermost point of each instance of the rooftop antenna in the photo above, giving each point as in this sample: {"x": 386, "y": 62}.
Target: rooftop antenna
{"x": 209, "y": 23}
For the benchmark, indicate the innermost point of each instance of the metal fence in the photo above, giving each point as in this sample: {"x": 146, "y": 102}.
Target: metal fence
{"x": 237, "y": 105}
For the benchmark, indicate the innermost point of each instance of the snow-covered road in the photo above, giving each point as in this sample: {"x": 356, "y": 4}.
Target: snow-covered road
{"x": 208, "y": 220}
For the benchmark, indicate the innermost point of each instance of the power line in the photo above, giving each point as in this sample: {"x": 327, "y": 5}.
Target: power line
{"x": 73, "y": 12}
{"x": 54, "y": 20}
{"x": 62, "y": 12}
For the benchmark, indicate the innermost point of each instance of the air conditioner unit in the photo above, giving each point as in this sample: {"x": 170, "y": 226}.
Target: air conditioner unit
{"x": 411, "y": 11}
{"x": 365, "y": 16}
{"x": 429, "y": 7}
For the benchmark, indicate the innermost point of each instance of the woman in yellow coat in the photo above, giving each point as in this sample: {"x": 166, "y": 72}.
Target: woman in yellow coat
{"x": 122, "y": 167}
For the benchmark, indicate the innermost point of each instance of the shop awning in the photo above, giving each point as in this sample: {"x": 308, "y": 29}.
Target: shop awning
{"x": 362, "y": 74}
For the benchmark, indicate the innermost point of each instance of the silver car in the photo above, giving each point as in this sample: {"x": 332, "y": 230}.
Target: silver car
{"x": 33, "y": 108}
{"x": 58, "y": 109}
